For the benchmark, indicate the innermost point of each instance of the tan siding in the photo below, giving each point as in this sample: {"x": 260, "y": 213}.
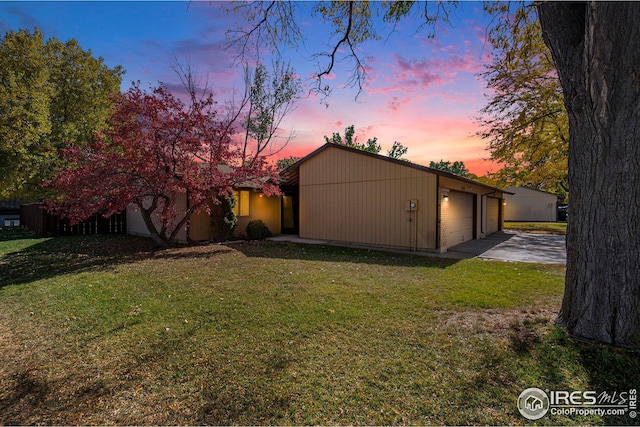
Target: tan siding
{"x": 265, "y": 208}
{"x": 268, "y": 210}
{"x": 454, "y": 184}
{"x": 181, "y": 206}
{"x": 530, "y": 205}
{"x": 351, "y": 197}
{"x": 199, "y": 226}
{"x": 136, "y": 225}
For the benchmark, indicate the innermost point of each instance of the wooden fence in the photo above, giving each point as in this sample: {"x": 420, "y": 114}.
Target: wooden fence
{"x": 34, "y": 217}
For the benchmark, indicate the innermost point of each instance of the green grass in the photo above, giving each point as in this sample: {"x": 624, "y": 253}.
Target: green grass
{"x": 107, "y": 330}
{"x": 538, "y": 227}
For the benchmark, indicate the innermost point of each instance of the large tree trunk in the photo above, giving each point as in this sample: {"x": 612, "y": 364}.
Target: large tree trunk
{"x": 596, "y": 49}
{"x": 148, "y": 221}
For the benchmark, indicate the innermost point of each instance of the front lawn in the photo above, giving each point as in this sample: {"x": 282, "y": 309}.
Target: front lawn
{"x": 537, "y": 227}
{"x": 107, "y": 330}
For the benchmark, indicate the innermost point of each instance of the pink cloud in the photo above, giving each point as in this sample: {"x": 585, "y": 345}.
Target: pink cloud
{"x": 413, "y": 75}
{"x": 366, "y": 132}
{"x": 329, "y": 76}
{"x": 395, "y": 103}
{"x": 435, "y": 45}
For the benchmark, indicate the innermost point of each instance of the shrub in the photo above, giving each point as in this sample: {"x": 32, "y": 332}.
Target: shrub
{"x": 258, "y": 230}
{"x": 222, "y": 220}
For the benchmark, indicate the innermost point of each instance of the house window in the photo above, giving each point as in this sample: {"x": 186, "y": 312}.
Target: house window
{"x": 242, "y": 203}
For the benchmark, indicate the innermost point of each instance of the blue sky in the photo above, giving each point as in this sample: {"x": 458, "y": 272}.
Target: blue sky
{"x": 422, "y": 92}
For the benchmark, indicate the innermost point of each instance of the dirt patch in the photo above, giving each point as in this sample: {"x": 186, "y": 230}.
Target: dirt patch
{"x": 497, "y": 323}
{"x": 193, "y": 251}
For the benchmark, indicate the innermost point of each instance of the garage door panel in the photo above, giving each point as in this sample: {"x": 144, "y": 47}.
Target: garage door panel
{"x": 459, "y": 218}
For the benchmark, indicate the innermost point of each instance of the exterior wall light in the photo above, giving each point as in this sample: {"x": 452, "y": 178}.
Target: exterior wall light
{"x": 445, "y": 198}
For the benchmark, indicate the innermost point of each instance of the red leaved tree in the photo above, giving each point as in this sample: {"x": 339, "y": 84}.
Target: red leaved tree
{"x": 154, "y": 148}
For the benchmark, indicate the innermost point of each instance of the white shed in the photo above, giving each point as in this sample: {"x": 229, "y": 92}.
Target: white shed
{"x": 528, "y": 204}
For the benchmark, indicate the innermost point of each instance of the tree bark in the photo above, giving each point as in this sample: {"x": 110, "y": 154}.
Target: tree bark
{"x": 596, "y": 49}
{"x": 148, "y": 221}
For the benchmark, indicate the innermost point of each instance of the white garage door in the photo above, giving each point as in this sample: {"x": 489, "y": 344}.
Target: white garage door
{"x": 493, "y": 215}
{"x": 459, "y": 218}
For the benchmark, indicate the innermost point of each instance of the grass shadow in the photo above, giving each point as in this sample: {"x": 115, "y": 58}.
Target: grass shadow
{"x": 46, "y": 258}
{"x": 542, "y": 355}
{"x": 330, "y": 253}
{"x": 15, "y": 233}
{"x": 613, "y": 370}
{"x": 70, "y": 254}
{"x": 32, "y": 395}
{"x": 605, "y": 369}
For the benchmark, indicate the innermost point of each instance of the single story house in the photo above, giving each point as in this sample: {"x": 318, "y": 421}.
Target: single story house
{"x": 347, "y": 195}
{"x": 250, "y": 205}
{"x": 529, "y": 204}
{"x": 341, "y": 194}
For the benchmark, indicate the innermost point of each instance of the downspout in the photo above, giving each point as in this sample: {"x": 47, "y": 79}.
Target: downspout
{"x": 416, "y": 235}
{"x": 438, "y": 225}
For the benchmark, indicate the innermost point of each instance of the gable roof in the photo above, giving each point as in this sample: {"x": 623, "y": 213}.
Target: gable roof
{"x": 290, "y": 176}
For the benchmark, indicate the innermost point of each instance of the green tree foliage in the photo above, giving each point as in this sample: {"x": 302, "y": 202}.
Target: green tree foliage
{"x": 457, "y": 168}
{"x": 284, "y": 163}
{"x": 350, "y": 140}
{"x": 25, "y": 97}
{"x": 270, "y": 97}
{"x": 525, "y": 121}
{"x": 397, "y": 151}
{"x": 52, "y": 94}
{"x": 222, "y": 220}
{"x": 371, "y": 146}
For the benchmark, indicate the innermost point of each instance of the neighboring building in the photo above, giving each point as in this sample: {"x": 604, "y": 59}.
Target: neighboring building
{"x": 9, "y": 220}
{"x": 346, "y": 195}
{"x": 10, "y": 212}
{"x": 528, "y": 204}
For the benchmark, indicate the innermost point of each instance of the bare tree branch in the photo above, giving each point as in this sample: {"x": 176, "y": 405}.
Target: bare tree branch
{"x": 188, "y": 77}
{"x": 272, "y": 27}
{"x": 271, "y": 98}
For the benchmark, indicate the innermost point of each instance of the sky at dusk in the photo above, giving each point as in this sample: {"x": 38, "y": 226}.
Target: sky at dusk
{"x": 421, "y": 92}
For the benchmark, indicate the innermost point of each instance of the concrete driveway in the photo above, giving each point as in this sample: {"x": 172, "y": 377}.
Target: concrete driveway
{"x": 516, "y": 246}
{"x": 501, "y": 246}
